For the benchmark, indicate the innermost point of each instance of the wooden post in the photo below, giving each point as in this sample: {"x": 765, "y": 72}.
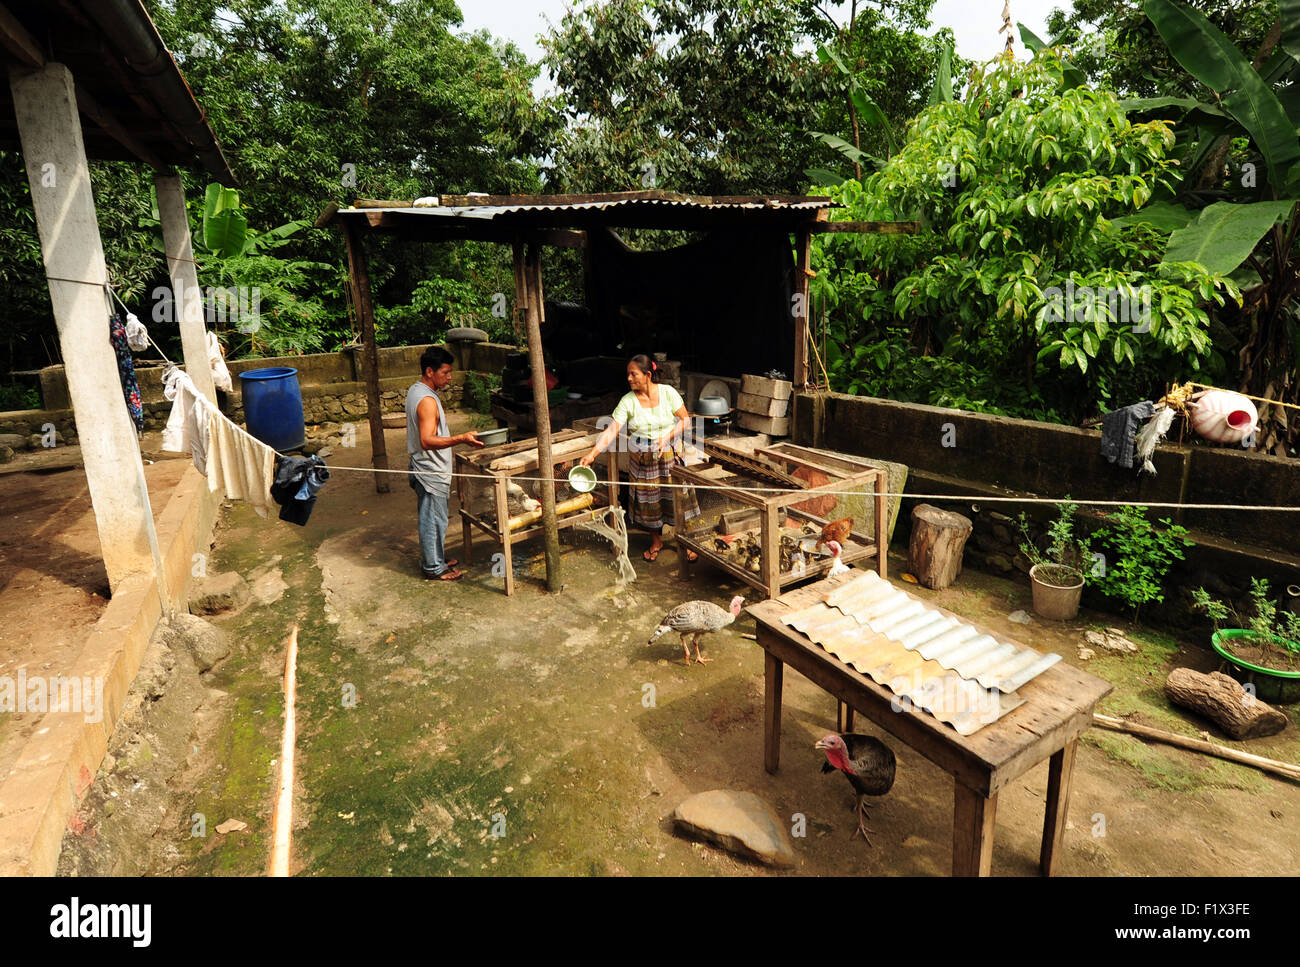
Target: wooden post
{"x": 542, "y": 415}
{"x": 521, "y": 286}
{"x": 882, "y": 522}
{"x": 1060, "y": 772}
{"x": 503, "y": 528}
{"x": 365, "y": 314}
{"x": 803, "y": 245}
{"x": 773, "y": 675}
{"x": 972, "y": 831}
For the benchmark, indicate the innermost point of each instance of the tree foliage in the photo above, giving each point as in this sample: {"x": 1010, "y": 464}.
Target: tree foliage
{"x": 1017, "y": 295}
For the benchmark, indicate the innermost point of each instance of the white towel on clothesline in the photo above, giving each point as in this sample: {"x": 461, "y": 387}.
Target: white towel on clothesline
{"x": 217, "y": 363}
{"x": 239, "y": 465}
{"x": 187, "y": 424}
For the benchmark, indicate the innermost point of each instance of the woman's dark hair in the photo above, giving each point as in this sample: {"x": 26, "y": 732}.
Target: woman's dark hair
{"x": 435, "y": 357}
{"x": 646, "y": 365}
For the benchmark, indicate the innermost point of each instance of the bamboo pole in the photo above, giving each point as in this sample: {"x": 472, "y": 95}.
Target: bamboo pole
{"x": 282, "y": 821}
{"x": 532, "y": 296}
{"x": 581, "y": 502}
{"x": 360, "y": 279}
{"x": 1284, "y": 769}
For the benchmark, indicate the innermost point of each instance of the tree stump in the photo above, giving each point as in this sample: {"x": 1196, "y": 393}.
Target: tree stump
{"x": 938, "y": 537}
{"x": 1222, "y": 700}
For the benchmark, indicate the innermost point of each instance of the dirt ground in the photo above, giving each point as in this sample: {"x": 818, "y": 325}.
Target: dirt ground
{"x": 446, "y": 728}
{"x": 53, "y": 586}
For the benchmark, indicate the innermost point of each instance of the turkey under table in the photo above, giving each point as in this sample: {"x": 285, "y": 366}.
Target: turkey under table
{"x": 921, "y": 653}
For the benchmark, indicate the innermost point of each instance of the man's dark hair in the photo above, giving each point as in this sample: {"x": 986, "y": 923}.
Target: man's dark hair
{"x": 433, "y": 358}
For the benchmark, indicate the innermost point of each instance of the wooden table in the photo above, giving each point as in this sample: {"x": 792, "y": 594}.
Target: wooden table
{"x": 1058, "y": 707}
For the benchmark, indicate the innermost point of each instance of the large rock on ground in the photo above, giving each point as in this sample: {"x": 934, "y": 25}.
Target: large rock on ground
{"x": 207, "y": 643}
{"x": 219, "y": 593}
{"x": 740, "y": 822}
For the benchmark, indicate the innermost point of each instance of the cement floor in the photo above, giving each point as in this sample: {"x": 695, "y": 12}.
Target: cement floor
{"x": 433, "y": 716}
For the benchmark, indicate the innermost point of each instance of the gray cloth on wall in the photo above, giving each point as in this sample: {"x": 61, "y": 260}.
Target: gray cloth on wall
{"x": 1118, "y": 430}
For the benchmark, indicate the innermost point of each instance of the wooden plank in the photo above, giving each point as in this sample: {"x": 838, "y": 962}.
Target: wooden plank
{"x": 1060, "y": 773}
{"x": 360, "y": 279}
{"x": 503, "y": 515}
{"x": 527, "y": 459}
{"x": 771, "y": 533}
{"x": 867, "y": 228}
{"x": 882, "y": 521}
{"x": 21, "y": 44}
{"x": 802, "y": 275}
{"x": 773, "y": 675}
{"x": 972, "y": 832}
{"x": 480, "y": 457}
{"x": 822, "y": 460}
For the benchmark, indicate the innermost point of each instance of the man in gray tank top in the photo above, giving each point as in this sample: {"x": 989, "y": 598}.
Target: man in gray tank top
{"x": 429, "y": 443}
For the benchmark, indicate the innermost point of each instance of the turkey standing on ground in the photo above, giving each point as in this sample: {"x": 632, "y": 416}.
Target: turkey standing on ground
{"x": 697, "y": 618}
{"x": 866, "y": 762}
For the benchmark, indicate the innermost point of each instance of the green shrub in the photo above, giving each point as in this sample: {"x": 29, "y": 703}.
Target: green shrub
{"x": 1141, "y": 557}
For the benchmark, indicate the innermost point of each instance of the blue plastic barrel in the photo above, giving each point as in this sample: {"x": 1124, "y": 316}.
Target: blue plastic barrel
{"x": 273, "y": 407}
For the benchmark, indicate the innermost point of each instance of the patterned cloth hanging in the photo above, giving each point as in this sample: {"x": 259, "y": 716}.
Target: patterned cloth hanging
{"x": 126, "y": 370}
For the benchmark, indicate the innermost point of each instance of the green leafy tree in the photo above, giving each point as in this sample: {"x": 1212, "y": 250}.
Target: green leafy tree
{"x": 702, "y": 96}
{"x": 1017, "y": 279}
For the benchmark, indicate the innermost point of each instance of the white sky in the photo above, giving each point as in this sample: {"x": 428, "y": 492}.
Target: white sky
{"x": 974, "y": 22}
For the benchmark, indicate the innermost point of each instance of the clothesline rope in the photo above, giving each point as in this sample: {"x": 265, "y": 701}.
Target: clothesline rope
{"x": 812, "y": 494}
{"x": 1257, "y": 399}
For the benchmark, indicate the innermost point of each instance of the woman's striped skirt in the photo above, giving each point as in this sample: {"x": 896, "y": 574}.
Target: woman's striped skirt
{"x": 652, "y": 502}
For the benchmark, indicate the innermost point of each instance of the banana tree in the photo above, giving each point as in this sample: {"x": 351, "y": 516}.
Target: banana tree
{"x": 1240, "y": 220}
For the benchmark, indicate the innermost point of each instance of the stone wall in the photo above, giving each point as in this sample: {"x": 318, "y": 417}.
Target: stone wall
{"x": 981, "y": 456}
{"x": 332, "y": 385}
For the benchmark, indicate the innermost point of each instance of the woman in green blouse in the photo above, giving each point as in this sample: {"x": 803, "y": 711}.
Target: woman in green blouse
{"x": 656, "y": 421}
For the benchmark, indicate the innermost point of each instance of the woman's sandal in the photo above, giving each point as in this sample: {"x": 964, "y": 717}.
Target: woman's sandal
{"x": 652, "y": 554}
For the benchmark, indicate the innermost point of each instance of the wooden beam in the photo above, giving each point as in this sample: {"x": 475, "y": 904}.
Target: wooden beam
{"x": 360, "y": 280}
{"x": 19, "y": 43}
{"x": 92, "y": 109}
{"x": 803, "y": 243}
{"x": 542, "y": 415}
{"x": 867, "y": 228}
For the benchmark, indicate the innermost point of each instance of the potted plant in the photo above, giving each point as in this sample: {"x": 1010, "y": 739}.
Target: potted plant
{"x": 1264, "y": 649}
{"x": 1056, "y": 571}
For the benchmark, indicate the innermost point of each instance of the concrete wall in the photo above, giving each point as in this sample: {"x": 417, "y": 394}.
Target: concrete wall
{"x": 955, "y": 452}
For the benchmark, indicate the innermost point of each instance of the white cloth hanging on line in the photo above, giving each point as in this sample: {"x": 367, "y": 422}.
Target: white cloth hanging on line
{"x": 187, "y": 424}
{"x": 137, "y": 336}
{"x": 237, "y": 465}
{"x": 217, "y": 363}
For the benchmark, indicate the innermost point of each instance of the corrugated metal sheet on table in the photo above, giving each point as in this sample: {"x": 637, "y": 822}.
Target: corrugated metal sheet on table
{"x": 878, "y": 605}
{"x": 940, "y": 664}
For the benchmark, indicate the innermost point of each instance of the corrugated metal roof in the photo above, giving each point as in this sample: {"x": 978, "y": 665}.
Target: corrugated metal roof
{"x": 933, "y": 660}
{"x": 492, "y": 211}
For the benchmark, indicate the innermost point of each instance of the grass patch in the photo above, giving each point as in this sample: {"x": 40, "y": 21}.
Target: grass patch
{"x": 1162, "y": 771}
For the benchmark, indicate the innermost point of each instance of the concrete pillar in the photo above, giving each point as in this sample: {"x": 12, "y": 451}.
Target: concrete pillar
{"x": 49, "y": 126}
{"x": 187, "y": 299}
